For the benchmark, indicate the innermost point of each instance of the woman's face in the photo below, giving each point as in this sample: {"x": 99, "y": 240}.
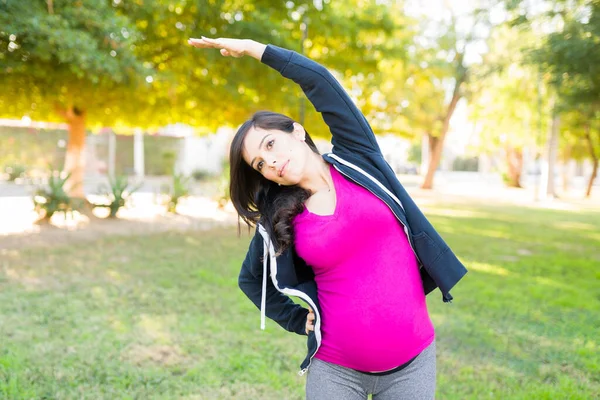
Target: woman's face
{"x": 278, "y": 156}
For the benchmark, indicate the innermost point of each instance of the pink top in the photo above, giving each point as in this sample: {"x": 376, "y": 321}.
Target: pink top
{"x": 374, "y": 316}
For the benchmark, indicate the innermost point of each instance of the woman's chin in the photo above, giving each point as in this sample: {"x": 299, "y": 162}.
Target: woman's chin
{"x": 290, "y": 182}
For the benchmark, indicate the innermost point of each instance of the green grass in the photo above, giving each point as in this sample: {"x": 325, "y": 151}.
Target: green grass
{"x": 161, "y": 317}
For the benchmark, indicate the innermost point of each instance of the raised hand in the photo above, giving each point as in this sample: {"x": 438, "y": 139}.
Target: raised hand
{"x": 230, "y": 47}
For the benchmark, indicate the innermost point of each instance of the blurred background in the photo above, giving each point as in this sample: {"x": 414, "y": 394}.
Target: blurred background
{"x": 119, "y": 248}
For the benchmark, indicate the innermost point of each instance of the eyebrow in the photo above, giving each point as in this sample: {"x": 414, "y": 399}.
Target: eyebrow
{"x": 259, "y": 146}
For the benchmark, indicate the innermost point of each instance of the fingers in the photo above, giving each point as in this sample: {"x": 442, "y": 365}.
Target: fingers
{"x": 310, "y": 318}
{"x": 213, "y": 42}
{"x": 204, "y": 42}
{"x": 309, "y": 328}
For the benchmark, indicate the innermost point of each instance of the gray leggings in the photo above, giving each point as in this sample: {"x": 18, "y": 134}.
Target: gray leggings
{"x": 326, "y": 381}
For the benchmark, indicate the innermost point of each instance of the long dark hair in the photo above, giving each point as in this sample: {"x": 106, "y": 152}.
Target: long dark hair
{"x": 257, "y": 199}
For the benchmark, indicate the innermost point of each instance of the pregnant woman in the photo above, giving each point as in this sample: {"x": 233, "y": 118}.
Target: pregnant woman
{"x": 341, "y": 233}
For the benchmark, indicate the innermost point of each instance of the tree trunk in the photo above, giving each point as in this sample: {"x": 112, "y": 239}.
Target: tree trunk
{"x": 514, "y": 160}
{"x": 588, "y": 192}
{"x": 437, "y": 144}
{"x": 75, "y": 157}
{"x": 551, "y": 154}
{"x": 590, "y": 143}
{"x": 432, "y": 141}
{"x": 434, "y": 161}
{"x": 566, "y": 169}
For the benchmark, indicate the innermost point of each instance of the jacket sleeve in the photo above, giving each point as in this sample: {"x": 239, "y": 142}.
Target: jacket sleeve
{"x": 349, "y": 128}
{"x": 279, "y": 307}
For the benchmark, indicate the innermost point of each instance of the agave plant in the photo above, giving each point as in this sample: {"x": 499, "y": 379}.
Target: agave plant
{"x": 224, "y": 197}
{"x": 53, "y": 198}
{"x": 15, "y": 171}
{"x": 176, "y": 192}
{"x": 118, "y": 191}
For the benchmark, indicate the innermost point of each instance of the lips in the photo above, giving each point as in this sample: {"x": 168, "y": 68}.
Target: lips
{"x": 282, "y": 169}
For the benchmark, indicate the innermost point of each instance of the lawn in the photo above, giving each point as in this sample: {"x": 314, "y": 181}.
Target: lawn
{"x": 160, "y": 316}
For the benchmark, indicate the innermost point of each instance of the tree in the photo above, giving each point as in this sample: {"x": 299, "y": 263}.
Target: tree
{"x": 435, "y": 77}
{"x": 208, "y": 91}
{"x": 581, "y": 138}
{"x": 68, "y": 61}
{"x": 126, "y": 63}
{"x": 570, "y": 55}
{"x": 508, "y": 101}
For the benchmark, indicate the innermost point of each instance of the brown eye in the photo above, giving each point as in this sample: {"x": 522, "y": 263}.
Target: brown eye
{"x": 260, "y": 165}
{"x": 270, "y": 144}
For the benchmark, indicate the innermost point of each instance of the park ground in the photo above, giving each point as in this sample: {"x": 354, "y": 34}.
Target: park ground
{"x": 147, "y": 306}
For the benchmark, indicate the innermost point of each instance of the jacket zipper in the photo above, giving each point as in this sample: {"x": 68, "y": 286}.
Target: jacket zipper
{"x": 374, "y": 194}
{"x": 296, "y": 293}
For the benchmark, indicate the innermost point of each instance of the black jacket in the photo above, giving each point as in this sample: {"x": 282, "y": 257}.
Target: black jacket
{"x": 356, "y": 155}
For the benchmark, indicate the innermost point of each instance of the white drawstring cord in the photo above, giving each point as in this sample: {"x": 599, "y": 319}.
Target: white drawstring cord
{"x": 263, "y": 300}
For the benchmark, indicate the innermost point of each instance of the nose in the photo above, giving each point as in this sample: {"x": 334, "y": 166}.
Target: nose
{"x": 271, "y": 161}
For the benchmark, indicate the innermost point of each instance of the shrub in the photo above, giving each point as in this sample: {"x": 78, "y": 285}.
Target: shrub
{"x": 118, "y": 191}
{"x": 224, "y": 186}
{"x": 201, "y": 175}
{"x": 53, "y": 198}
{"x": 466, "y": 164}
{"x": 175, "y": 192}
{"x": 15, "y": 171}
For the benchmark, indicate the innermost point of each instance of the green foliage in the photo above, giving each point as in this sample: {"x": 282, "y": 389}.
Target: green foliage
{"x": 77, "y": 53}
{"x": 511, "y": 105}
{"x": 118, "y": 192}
{"x": 53, "y": 198}
{"x": 224, "y": 195}
{"x": 566, "y": 57}
{"x": 465, "y": 164}
{"x": 415, "y": 153}
{"x": 176, "y": 191}
{"x": 416, "y": 91}
{"x": 506, "y": 178}
{"x": 126, "y": 63}
{"x": 201, "y": 175}
{"x": 15, "y": 171}
{"x": 576, "y": 124}
{"x": 570, "y": 55}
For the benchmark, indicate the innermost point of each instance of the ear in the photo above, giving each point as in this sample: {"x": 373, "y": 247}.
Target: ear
{"x": 299, "y": 132}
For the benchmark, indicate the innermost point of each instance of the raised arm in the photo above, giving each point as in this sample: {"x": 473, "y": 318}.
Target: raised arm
{"x": 349, "y": 128}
